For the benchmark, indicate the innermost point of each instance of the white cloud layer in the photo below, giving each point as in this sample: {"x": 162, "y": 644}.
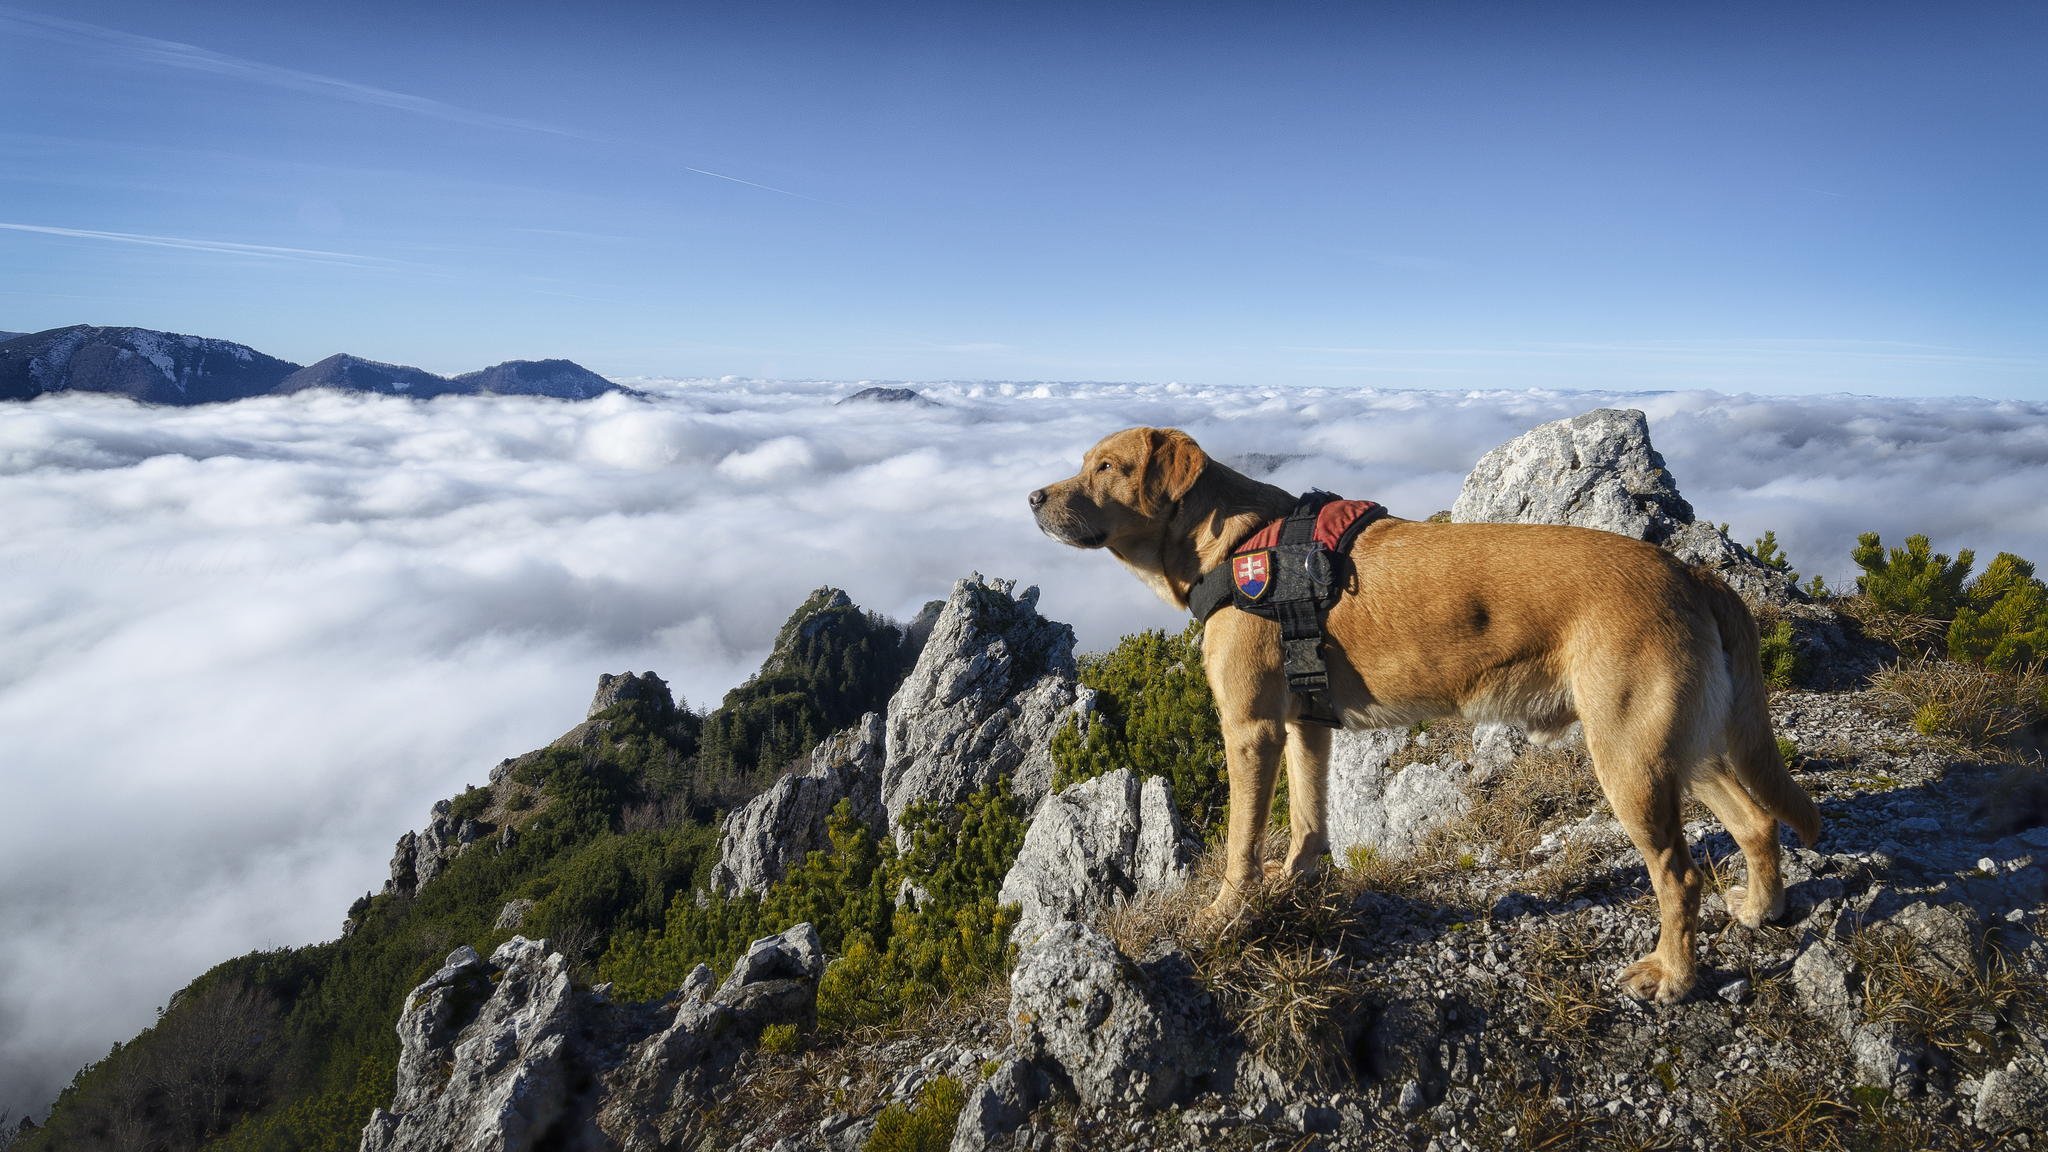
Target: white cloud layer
{"x": 246, "y": 646}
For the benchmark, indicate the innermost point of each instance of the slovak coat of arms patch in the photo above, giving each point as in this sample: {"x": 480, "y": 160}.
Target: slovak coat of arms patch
{"x": 1252, "y": 573}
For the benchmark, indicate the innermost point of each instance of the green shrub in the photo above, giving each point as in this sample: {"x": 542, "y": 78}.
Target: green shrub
{"x": 779, "y": 1039}
{"x": 926, "y": 1126}
{"x": 1765, "y": 549}
{"x": 951, "y": 938}
{"x": 471, "y": 805}
{"x": 1155, "y": 716}
{"x": 2004, "y": 625}
{"x": 1913, "y": 580}
{"x": 1783, "y": 665}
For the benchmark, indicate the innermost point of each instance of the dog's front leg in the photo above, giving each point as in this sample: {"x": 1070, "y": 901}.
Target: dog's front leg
{"x": 1251, "y": 703}
{"x": 1308, "y": 767}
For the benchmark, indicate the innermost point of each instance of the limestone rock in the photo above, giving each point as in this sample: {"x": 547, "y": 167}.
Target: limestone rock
{"x": 996, "y": 1107}
{"x": 667, "y": 1076}
{"x": 773, "y": 832}
{"x": 1595, "y": 470}
{"x": 993, "y": 683}
{"x": 509, "y": 1067}
{"x": 1599, "y": 470}
{"x": 646, "y": 688}
{"x": 1122, "y": 1035}
{"x": 1095, "y": 844}
{"x": 2014, "y": 1098}
{"x": 1388, "y": 809}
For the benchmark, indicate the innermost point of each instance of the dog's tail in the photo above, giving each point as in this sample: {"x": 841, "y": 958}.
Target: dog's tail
{"x": 1752, "y": 749}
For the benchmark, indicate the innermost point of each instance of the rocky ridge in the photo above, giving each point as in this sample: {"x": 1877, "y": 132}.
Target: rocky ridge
{"x": 1458, "y": 989}
{"x": 171, "y": 368}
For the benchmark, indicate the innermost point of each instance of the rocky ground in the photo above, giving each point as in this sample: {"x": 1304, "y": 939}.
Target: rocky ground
{"x": 1449, "y": 984}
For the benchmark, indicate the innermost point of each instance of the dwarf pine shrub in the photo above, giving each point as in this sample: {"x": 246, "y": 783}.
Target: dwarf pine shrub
{"x": 1914, "y": 580}
{"x": 1155, "y": 716}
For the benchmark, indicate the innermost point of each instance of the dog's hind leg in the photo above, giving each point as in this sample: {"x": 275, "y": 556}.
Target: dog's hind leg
{"x": 1308, "y": 768}
{"x": 1645, "y": 784}
{"x": 1756, "y": 832}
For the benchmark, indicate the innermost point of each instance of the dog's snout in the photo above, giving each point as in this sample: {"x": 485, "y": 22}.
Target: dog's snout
{"x": 1037, "y": 498}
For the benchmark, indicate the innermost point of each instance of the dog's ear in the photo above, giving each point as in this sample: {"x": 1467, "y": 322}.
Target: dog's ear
{"x": 1173, "y": 464}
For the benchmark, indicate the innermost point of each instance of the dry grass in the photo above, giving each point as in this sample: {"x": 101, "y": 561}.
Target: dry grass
{"x": 1567, "y": 1000}
{"x": 1983, "y": 708}
{"x": 1959, "y": 1014}
{"x": 1911, "y": 634}
{"x": 1780, "y": 1110}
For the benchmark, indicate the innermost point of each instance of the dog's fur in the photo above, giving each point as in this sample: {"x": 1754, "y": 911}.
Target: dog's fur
{"x": 1529, "y": 624}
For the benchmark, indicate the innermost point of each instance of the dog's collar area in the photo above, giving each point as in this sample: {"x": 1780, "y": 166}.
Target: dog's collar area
{"x": 1288, "y": 571}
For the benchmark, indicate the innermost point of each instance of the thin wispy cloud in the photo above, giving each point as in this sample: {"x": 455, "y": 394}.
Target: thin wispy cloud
{"x": 193, "y": 244}
{"x": 153, "y": 52}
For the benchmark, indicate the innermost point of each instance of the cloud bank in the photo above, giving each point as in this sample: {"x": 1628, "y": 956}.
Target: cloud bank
{"x": 246, "y": 646}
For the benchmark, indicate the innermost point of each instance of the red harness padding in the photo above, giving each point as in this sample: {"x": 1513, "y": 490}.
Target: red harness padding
{"x": 1337, "y": 523}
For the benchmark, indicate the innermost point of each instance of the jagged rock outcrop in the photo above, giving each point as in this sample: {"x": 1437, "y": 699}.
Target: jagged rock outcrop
{"x": 993, "y": 683}
{"x": 763, "y": 838}
{"x": 1120, "y": 1034}
{"x": 668, "y": 1075}
{"x": 647, "y": 688}
{"x": 1095, "y": 844}
{"x": 1599, "y": 470}
{"x": 510, "y": 1055}
{"x": 486, "y": 1068}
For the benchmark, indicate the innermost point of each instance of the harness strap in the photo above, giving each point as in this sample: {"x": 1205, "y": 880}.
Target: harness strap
{"x": 1289, "y": 576}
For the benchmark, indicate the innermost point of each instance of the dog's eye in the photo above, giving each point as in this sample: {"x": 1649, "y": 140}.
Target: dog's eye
{"x": 1102, "y": 467}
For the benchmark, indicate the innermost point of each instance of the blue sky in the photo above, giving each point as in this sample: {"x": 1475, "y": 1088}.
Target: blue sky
{"x": 1746, "y": 198}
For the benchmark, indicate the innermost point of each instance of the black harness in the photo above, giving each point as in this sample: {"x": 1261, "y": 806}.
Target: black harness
{"x": 1292, "y": 577}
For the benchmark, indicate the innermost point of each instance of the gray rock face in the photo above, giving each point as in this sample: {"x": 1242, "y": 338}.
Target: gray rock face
{"x": 996, "y": 1107}
{"x": 509, "y": 1067}
{"x": 774, "y": 831}
{"x": 646, "y": 688}
{"x": 1095, "y": 844}
{"x": 1123, "y": 1036}
{"x": 531, "y": 1062}
{"x": 1598, "y": 470}
{"x": 2014, "y": 1097}
{"x": 994, "y": 682}
{"x": 1375, "y": 804}
{"x": 667, "y": 1076}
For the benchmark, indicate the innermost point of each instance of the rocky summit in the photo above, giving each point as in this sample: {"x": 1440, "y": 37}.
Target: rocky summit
{"x": 930, "y": 928}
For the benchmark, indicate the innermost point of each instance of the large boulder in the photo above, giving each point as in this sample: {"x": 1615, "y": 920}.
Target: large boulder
{"x": 1120, "y": 1035}
{"x": 1095, "y": 844}
{"x": 773, "y": 832}
{"x": 993, "y": 683}
{"x": 1599, "y": 470}
{"x": 647, "y": 688}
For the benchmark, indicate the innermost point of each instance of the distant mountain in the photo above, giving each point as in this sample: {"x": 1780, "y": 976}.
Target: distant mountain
{"x": 562, "y": 379}
{"x": 879, "y": 395}
{"x": 170, "y": 368}
{"x": 345, "y": 373}
{"x": 155, "y": 367}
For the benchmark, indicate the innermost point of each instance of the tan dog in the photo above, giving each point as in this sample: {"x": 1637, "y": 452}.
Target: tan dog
{"x": 1520, "y": 623}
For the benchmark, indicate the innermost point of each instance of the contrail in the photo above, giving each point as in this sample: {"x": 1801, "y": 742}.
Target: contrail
{"x": 192, "y": 58}
{"x": 271, "y": 251}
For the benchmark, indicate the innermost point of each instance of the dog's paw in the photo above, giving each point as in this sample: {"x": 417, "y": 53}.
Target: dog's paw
{"x": 1753, "y": 913}
{"x": 1651, "y": 979}
{"x": 1217, "y": 918}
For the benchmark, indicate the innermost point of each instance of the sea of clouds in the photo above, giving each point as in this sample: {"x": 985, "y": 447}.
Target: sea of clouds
{"x": 244, "y": 647}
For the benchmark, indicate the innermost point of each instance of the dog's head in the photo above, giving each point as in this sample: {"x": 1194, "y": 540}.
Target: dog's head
{"x": 1128, "y": 486}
